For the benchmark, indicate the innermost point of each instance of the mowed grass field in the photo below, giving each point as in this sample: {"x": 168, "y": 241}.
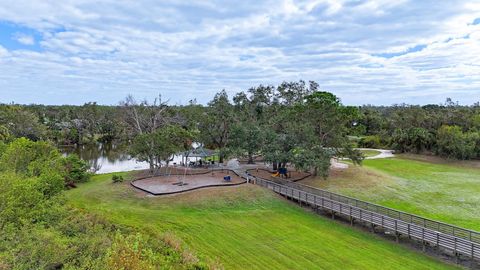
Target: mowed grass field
{"x": 247, "y": 227}
{"x": 431, "y": 187}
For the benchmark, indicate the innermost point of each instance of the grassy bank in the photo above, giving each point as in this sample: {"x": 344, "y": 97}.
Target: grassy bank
{"x": 247, "y": 227}
{"x": 439, "y": 189}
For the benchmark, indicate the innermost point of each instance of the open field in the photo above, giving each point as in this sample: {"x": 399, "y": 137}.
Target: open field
{"x": 247, "y": 226}
{"x": 430, "y": 187}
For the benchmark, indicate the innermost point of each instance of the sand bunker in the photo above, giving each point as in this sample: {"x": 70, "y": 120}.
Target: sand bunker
{"x": 162, "y": 185}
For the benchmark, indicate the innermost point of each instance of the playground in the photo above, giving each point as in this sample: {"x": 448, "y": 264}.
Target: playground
{"x": 180, "y": 180}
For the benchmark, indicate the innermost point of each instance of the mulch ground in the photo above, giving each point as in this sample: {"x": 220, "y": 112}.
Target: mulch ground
{"x": 159, "y": 185}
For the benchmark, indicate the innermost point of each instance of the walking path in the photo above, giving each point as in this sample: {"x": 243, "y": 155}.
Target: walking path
{"x": 384, "y": 153}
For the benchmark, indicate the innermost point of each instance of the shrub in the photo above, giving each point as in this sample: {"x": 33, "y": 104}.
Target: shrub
{"x": 29, "y": 158}
{"x": 373, "y": 141}
{"x": 117, "y": 178}
{"x": 452, "y": 142}
{"x": 412, "y": 140}
{"x": 76, "y": 170}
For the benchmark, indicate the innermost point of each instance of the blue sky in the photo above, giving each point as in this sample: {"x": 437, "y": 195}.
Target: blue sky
{"x": 366, "y": 52}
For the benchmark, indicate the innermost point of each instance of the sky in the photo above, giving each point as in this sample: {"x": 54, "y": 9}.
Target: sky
{"x": 365, "y": 51}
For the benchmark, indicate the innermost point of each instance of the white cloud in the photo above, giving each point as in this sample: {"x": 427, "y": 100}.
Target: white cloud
{"x": 3, "y": 51}
{"x": 24, "y": 39}
{"x": 102, "y": 51}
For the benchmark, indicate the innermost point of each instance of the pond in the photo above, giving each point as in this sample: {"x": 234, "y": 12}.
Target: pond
{"x": 110, "y": 157}
{"x": 105, "y": 157}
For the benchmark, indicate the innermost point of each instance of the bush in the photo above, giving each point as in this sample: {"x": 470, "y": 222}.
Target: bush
{"x": 117, "y": 178}
{"x": 29, "y": 158}
{"x": 412, "y": 139}
{"x": 452, "y": 142}
{"x": 76, "y": 170}
{"x": 373, "y": 141}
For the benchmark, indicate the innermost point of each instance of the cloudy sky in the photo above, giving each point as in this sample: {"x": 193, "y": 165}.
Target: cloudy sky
{"x": 372, "y": 51}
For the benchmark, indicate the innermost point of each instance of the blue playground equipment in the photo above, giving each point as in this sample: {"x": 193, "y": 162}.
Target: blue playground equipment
{"x": 227, "y": 178}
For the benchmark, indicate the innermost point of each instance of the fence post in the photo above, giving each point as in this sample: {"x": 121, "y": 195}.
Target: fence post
{"x": 351, "y": 216}
{"x": 396, "y": 230}
{"x": 423, "y": 239}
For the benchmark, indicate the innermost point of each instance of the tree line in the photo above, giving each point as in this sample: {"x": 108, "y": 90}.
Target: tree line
{"x": 294, "y": 122}
{"x": 449, "y": 130}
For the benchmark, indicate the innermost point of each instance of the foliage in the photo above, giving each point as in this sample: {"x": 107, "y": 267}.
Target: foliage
{"x": 160, "y": 145}
{"x": 412, "y": 139}
{"x": 452, "y": 142}
{"x": 30, "y": 158}
{"x": 409, "y": 128}
{"x": 216, "y": 124}
{"x": 117, "y": 178}
{"x": 38, "y": 231}
{"x": 76, "y": 169}
{"x": 43, "y": 160}
{"x": 371, "y": 141}
{"x": 21, "y": 123}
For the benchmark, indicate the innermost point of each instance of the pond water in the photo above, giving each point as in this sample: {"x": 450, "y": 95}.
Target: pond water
{"x": 109, "y": 157}
{"x": 105, "y": 157}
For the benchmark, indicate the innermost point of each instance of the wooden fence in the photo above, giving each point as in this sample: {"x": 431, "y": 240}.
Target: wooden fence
{"x": 457, "y": 240}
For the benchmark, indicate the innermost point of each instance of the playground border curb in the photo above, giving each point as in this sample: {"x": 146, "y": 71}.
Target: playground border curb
{"x": 132, "y": 183}
{"x": 271, "y": 171}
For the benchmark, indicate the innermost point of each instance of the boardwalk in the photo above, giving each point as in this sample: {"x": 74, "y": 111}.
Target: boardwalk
{"x": 458, "y": 241}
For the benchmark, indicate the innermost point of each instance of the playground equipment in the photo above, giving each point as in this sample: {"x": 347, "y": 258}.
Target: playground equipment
{"x": 227, "y": 178}
{"x": 281, "y": 172}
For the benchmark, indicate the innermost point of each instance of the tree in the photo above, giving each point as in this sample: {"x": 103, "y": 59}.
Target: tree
{"x": 145, "y": 117}
{"x": 215, "y": 126}
{"x": 21, "y": 123}
{"x": 326, "y": 127}
{"x": 452, "y": 142}
{"x": 76, "y": 170}
{"x": 154, "y": 129}
{"x": 246, "y": 140}
{"x": 159, "y": 146}
{"x": 413, "y": 139}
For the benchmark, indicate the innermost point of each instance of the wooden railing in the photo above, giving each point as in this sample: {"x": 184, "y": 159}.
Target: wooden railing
{"x": 428, "y": 231}
{"x": 400, "y": 215}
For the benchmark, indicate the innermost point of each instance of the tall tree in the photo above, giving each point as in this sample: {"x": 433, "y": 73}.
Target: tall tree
{"x": 215, "y": 126}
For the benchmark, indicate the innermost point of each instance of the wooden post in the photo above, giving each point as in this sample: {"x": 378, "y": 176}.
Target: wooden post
{"x": 455, "y": 249}
{"x": 423, "y": 239}
{"x": 472, "y": 262}
{"x": 396, "y": 231}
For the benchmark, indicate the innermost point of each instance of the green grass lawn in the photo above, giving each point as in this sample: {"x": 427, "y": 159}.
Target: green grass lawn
{"x": 370, "y": 153}
{"x": 247, "y": 227}
{"x": 441, "y": 190}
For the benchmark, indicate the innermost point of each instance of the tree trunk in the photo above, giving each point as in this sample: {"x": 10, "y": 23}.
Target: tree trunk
{"x": 315, "y": 171}
{"x": 275, "y": 166}
{"x": 250, "y": 158}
